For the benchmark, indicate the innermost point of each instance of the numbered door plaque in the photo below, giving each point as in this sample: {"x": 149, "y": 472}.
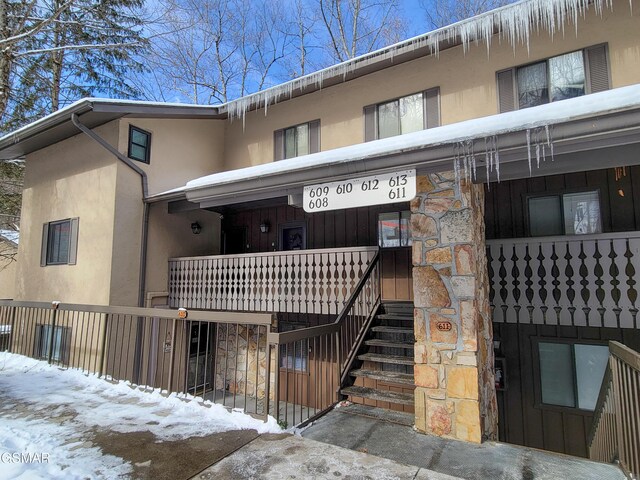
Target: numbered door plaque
{"x": 379, "y": 189}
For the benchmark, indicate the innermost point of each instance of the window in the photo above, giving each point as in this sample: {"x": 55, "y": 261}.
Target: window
{"x": 61, "y": 343}
{"x": 567, "y": 214}
{"x": 393, "y": 229}
{"x": 59, "y": 242}
{"x": 571, "y": 374}
{"x": 298, "y": 140}
{"x": 402, "y": 115}
{"x": 139, "y": 144}
{"x": 557, "y": 78}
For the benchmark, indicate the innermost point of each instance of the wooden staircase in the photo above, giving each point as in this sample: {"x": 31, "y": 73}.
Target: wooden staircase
{"x": 383, "y": 374}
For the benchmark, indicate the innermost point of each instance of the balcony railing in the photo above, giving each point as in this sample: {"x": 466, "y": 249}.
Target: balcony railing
{"x": 615, "y": 432}
{"x": 303, "y": 281}
{"x": 586, "y": 280}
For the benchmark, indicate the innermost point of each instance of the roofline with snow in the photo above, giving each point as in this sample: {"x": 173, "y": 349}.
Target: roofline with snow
{"x": 514, "y": 22}
{"x": 599, "y": 120}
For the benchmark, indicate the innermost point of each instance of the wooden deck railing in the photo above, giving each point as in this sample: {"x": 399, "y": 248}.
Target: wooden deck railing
{"x": 582, "y": 280}
{"x": 312, "y": 362}
{"x": 218, "y": 356}
{"x": 303, "y": 281}
{"x": 615, "y": 432}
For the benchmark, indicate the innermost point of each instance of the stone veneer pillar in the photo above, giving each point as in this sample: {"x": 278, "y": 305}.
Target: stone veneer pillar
{"x": 455, "y": 391}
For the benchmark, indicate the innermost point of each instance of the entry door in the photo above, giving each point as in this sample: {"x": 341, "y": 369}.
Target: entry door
{"x": 395, "y": 255}
{"x": 292, "y": 236}
{"x": 235, "y": 240}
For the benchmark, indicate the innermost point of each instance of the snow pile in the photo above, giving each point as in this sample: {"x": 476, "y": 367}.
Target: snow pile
{"x": 10, "y": 235}
{"x": 45, "y": 409}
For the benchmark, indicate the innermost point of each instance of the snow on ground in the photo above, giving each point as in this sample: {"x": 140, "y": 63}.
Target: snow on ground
{"x": 46, "y": 410}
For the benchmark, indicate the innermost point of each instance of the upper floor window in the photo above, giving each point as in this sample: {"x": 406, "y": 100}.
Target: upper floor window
{"x": 139, "y": 144}
{"x": 557, "y": 78}
{"x": 297, "y": 140}
{"x": 403, "y": 115}
{"x": 59, "y": 242}
{"x": 567, "y": 214}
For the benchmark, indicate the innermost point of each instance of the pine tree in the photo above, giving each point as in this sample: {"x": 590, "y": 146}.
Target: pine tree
{"x": 57, "y": 51}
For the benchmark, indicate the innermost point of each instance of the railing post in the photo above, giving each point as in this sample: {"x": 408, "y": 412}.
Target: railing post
{"x": 13, "y": 328}
{"x": 276, "y": 382}
{"x": 267, "y": 386}
{"x": 103, "y": 346}
{"x": 172, "y": 354}
{"x": 338, "y": 365}
{"x": 54, "y": 307}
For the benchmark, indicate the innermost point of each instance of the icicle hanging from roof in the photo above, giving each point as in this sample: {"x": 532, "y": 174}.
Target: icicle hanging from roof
{"x": 514, "y": 23}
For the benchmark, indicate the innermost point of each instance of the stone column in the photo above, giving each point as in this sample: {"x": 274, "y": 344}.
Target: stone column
{"x": 455, "y": 391}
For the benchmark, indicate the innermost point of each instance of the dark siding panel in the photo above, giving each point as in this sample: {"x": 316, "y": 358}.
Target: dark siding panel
{"x": 525, "y": 423}
{"x": 619, "y": 213}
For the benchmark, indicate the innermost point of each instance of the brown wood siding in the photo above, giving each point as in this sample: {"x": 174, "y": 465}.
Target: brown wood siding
{"x": 522, "y": 421}
{"x": 356, "y": 227}
{"x": 505, "y": 202}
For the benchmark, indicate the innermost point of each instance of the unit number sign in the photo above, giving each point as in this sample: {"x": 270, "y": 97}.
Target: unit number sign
{"x": 378, "y": 189}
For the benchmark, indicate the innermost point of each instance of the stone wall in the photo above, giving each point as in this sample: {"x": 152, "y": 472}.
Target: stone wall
{"x": 241, "y": 360}
{"x": 455, "y": 392}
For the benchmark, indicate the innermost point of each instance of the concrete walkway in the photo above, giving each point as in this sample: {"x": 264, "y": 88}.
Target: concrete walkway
{"x": 491, "y": 460}
{"x": 277, "y": 457}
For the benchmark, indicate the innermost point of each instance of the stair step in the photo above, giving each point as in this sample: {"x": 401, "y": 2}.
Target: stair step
{"x": 379, "y": 395}
{"x": 398, "y": 307}
{"x": 377, "y": 342}
{"x": 386, "y": 329}
{"x": 395, "y": 316}
{"x": 390, "y": 377}
{"x": 381, "y": 358}
{"x": 401, "y": 418}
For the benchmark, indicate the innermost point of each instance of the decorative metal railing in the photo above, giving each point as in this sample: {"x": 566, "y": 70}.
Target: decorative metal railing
{"x": 586, "y": 280}
{"x": 303, "y": 281}
{"x": 218, "y": 356}
{"x": 313, "y": 362}
{"x": 615, "y": 431}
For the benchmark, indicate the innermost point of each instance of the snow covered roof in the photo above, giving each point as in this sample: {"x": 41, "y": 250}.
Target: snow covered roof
{"x": 362, "y": 158}
{"x": 12, "y": 236}
{"x": 95, "y": 112}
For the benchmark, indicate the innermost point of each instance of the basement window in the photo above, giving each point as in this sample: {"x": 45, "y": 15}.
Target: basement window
{"x": 60, "y": 343}
{"x": 571, "y": 374}
{"x": 139, "y": 144}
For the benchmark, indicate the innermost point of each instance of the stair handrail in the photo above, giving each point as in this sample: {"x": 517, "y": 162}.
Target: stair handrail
{"x": 344, "y": 361}
{"x": 351, "y": 355}
{"x": 615, "y": 431}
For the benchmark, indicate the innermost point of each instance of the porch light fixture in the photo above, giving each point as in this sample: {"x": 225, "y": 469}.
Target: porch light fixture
{"x": 196, "y": 228}
{"x": 264, "y": 226}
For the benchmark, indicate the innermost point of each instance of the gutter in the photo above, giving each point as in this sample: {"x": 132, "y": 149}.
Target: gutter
{"x": 145, "y": 229}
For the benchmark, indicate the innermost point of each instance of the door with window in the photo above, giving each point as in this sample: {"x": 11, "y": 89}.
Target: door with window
{"x": 394, "y": 241}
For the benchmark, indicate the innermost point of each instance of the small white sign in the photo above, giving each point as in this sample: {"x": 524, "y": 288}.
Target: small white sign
{"x": 378, "y": 189}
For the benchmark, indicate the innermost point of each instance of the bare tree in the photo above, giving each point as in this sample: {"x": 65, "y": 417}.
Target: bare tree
{"x": 355, "y": 27}
{"x": 206, "y": 51}
{"x": 440, "y": 13}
